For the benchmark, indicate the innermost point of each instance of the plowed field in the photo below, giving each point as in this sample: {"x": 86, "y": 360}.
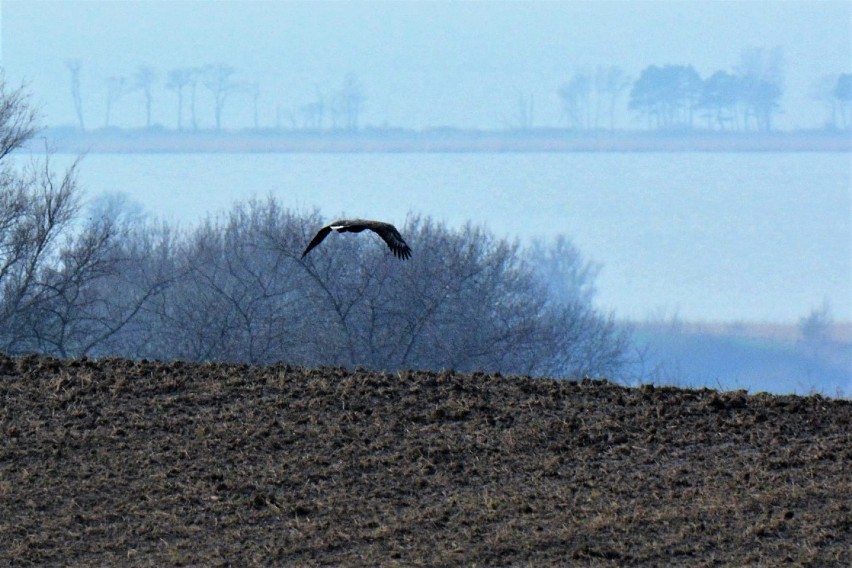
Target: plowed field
{"x": 115, "y": 462}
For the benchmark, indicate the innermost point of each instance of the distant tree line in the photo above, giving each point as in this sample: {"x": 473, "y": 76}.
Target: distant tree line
{"x": 667, "y": 97}
{"x": 235, "y": 288}
{"x": 590, "y": 98}
{"x": 674, "y": 97}
{"x": 339, "y": 110}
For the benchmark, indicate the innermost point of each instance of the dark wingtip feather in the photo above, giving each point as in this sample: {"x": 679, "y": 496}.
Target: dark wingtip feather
{"x": 401, "y": 250}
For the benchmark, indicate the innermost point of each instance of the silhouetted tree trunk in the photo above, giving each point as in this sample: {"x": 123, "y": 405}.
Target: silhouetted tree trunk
{"x": 177, "y": 81}
{"x": 195, "y": 75}
{"x": 666, "y": 95}
{"x": 613, "y": 83}
{"x": 144, "y": 80}
{"x": 576, "y": 96}
{"x": 74, "y": 66}
{"x": 217, "y": 79}
{"x": 349, "y": 103}
{"x": 762, "y": 76}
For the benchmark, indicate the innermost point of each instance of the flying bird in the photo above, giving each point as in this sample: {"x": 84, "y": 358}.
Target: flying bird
{"x": 386, "y": 231}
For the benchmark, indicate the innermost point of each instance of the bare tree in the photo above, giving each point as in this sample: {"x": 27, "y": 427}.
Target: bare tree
{"x": 17, "y": 123}
{"x": 58, "y": 279}
{"x": 74, "y": 66}
{"x": 313, "y": 114}
{"x": 586, "y": 94}
{"x": 117, "y": 249}
{"x": 70, "y": 314}
{"x": 576, "y": 96}
{"x": 465, "y": 300}
{"x": 217, "y": 80}
{"x": 177, "y": 80}
{"x": 470, "y": 311}
{"x": 561, "y": 266}
{"x": 36, "y": 208}
{"x": 36, "y": 211}
{"x": 667, "y": 95}
{"x": 348, "y": 103}
{"x": 236, "y": 298}
{"x": 144, "y": 81}
{"x": 611, "y": 83}
{"x": 721, "y": 97}
{"x": 762, "y": 75}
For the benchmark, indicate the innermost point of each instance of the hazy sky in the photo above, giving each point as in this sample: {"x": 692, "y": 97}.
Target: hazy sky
{"x": 421, "y": 63}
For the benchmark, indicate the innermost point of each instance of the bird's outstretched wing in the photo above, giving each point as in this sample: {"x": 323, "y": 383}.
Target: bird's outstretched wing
{"x": 321, "y": 234}
{"x": 386, "y": 231}
{"x": 391, "y": 236}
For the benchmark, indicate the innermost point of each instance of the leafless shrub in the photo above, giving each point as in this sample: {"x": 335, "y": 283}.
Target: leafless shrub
{"x": 65, "y": 289}
{"x": 235, "y": 288}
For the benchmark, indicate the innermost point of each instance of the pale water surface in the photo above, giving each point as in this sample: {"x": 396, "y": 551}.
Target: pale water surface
{"x": 704, "y": 236}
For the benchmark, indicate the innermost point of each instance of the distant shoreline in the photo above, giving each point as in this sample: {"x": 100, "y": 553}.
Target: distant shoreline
{"x": 838, "y": 331}
{"x": 69, "y": 140}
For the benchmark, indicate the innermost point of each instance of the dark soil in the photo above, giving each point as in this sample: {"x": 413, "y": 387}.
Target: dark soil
{"x": 117, "y": 462}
